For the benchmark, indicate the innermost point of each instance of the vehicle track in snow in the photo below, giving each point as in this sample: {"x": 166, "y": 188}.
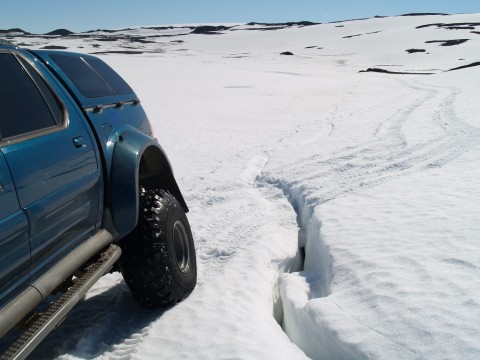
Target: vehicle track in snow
{"x": 235, "y": 236}
{"x": 219, "y": 238}
{"x": 239, "y": 234}
{"x": 244, "y": 219}
{"x": 387, "y": 155}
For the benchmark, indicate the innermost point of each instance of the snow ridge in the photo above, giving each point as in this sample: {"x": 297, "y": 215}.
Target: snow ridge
{"x": 311, "y": 282}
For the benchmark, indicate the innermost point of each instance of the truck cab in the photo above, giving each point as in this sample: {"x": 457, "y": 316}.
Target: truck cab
{"x": 77, "y": 160}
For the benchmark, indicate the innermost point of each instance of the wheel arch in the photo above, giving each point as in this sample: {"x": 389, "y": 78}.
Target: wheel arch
{"x": 137, "y": 161}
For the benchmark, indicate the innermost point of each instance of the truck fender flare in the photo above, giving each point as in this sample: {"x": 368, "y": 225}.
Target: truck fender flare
{"x": 137, "y": 160}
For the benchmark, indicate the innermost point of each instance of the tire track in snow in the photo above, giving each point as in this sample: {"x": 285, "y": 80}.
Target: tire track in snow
{"x": 220, "y": 238}
{"x": 110, "y": 325}
{"x": 233, "y": 237}
{"x": 387, "y": 156}
{"x": 98, "y": 318}
{"x": 317, "y": 179}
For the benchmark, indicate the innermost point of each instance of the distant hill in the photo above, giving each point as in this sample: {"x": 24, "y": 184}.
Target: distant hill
{"x": 60, "y": 32}
{"x": 15, "y": 30}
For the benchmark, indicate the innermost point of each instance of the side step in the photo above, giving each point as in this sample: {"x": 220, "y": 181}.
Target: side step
{"x": 48, "y": 320}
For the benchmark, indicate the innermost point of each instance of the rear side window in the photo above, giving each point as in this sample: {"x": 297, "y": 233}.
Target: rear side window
{"x": 91, "y": 76}
{"x": 26, "y": 102}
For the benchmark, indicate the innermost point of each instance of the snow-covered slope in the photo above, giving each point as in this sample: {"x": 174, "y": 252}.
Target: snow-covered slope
{"x": 374, "y": 175}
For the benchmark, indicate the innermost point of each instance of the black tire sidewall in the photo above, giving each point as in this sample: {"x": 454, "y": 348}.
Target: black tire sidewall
{"x": 188, "y": 279}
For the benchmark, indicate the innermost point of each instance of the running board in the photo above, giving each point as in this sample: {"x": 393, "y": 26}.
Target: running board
{"x": 17, "y": 309}
{"x": 48, "y": 320}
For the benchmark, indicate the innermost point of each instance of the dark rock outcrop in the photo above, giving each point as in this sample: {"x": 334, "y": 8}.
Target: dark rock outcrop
{"x": 452, "y": 26}
{"x": 411, "y": 51}
{"x": 383, "y": 71}
{"x": 290, "y": 23}
{"x": 60, "y": 32}
{"x": 447, "y": 42}
{"x": 477, "y": 63}
{"x": 209, "y": 30}
{"x": 15, "y": 30}
{"x": 424, "y": 14}
{"x": 54, "y": 47}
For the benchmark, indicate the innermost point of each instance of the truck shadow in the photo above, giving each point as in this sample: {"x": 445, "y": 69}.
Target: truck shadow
{"x": 108, "y": 322}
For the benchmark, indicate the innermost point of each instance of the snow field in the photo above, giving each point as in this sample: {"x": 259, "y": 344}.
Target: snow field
{"x": 375, "y": 175}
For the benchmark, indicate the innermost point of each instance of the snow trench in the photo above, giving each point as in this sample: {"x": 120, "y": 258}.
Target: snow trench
{"x": 306, "y": 288}
{"x": 313, "y": 317}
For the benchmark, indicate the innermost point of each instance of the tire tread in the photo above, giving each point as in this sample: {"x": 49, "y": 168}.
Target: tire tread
{"x": 145, "y": 262}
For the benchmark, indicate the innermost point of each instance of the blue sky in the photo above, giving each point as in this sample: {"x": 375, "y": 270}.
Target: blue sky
{"x": 47, "y": 15}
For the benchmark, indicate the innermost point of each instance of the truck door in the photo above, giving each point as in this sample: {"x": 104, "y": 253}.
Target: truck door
{"x": 14, "y": 248}
{"x": 52, "y": 160}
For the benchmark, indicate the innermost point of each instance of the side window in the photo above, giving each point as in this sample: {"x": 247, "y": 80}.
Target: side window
{"x": 55, "y": 107}
{"x": 119, "y": 86}
{"x": 82, "y": 75}
{"x": 23, "y": 108}
{"x": 92, "y": 77}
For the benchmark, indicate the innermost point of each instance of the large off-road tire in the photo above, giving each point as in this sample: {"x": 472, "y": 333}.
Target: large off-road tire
{"x": 158, "y": 260}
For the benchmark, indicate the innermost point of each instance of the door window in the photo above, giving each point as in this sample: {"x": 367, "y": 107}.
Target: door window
{"x": 26, "y": 102}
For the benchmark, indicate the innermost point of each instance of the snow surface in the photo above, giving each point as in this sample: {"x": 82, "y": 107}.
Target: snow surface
{"x": 376, "y": 176}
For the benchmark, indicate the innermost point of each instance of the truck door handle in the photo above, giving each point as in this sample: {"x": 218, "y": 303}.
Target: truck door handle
{"x": 79, "y": 142}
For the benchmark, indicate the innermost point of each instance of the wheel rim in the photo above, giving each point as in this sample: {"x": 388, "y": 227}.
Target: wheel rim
{"x": 181, "y": 246}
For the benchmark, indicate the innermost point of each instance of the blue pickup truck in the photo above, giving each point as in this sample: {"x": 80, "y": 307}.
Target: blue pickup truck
{"x": 85, "y": 189}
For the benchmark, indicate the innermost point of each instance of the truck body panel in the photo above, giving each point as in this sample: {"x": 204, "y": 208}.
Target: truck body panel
{"x": 76, "y": 147}
{"x": 14, "y": 246}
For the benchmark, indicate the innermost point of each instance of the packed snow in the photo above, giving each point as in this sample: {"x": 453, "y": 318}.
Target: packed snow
{"x": 336, "y": 213}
